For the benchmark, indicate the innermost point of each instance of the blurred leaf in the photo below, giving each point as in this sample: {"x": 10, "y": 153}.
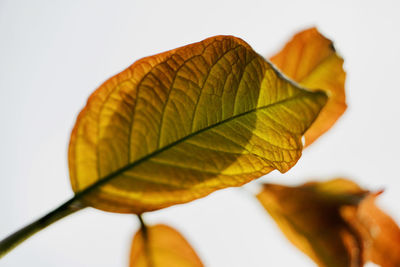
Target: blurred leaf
{"x": 380, "y": 234}
{"x": 162, "y": 246}
{"x": 309, "y": 216}
{"x": 179, "y": 125}
{"x": 311, "y": 60}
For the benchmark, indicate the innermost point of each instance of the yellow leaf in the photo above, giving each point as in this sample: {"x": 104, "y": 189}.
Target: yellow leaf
{"x": 379, "y": 232}
{"x": 311, "y": 60}
{"x": 179, "y": 125}
{"x": 162, "y": 246}
{"x": 309, "y": 216}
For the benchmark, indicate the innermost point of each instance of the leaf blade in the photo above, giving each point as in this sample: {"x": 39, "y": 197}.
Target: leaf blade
{"x": 379, "y": 232}
{"x": 311, "y": 60}
{"x": 162, "y": 246}
{"x": 130, "y": 143}
{"x": 309, "y": 216}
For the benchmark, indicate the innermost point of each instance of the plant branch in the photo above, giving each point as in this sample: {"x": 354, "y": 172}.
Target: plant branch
{"x": 13, "y": 240}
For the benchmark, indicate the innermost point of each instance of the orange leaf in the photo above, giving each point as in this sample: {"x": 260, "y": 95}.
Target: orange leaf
{"x": 380, "y": 234}
{"x": 162, "y": 246}
{"x": 311, "y": 60}
{"x": 309, "y": 216}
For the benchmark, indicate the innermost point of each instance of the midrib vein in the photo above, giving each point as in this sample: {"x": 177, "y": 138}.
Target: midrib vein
{"x": 127, "y": 167}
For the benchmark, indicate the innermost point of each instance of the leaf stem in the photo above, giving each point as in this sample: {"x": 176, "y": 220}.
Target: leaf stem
{"x": 146, "y": 242}
{"x": 143, "y": 226}
{"x": 13, "y": 240}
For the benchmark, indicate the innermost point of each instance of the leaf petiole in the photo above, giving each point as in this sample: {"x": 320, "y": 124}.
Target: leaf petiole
{"x": 146, "y": 244}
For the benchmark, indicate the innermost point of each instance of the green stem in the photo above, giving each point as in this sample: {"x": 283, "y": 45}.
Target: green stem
{"x": 13, "y": 240}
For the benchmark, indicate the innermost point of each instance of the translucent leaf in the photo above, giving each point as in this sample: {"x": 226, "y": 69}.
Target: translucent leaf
{"x": 379, "y": 232}
{"x": 309, "y": 216}
{"x": 162, "y": 246}
{"x": 179, "y": 125}
{"x": 311, "y": 60}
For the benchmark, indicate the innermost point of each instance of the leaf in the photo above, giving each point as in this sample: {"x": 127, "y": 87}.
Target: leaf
{"x": 309, "y": 216}
{"x": 162, "y": 246}
{"x": 311, "y": 60}
{"x": 379, "y": 232}
{"x": 179, "y": 125}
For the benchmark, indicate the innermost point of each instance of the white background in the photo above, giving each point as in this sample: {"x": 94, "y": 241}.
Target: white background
{"x": 53, "y": 54}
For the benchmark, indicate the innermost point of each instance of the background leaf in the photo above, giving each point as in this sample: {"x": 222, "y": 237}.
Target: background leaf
{"x": 311, "y": 60}
{"x": 309, "y": 216}
{"x": 379, "y": 232}
{"x": 162, "y": 246}
{"x": 181, "y": 124}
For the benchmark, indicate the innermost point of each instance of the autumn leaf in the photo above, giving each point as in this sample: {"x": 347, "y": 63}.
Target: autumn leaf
{"x": 179, "y": 125}
{"x": 309, "y": 216}
{"x": 379, "y": 232}
{"x": 311, "y": 60}
{"x": 162, "y": 246}
{"x": 336, "y": 223}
